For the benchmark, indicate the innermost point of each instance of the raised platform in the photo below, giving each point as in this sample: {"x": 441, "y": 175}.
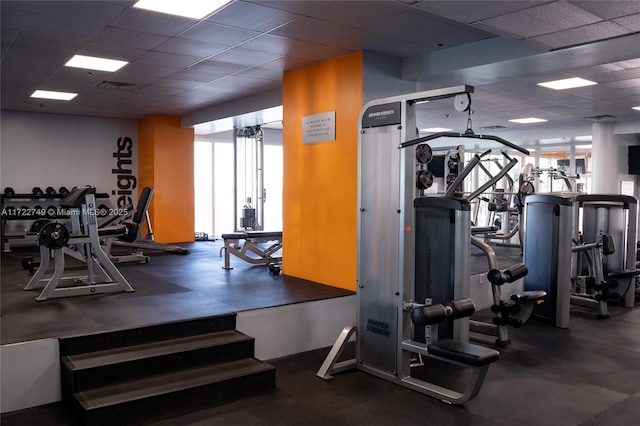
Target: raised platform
{"x": 278, "y": 311}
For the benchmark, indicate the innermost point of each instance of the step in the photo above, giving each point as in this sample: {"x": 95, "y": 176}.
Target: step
{"x": 82, "y": 371}
{"x": 146, "y": 334}
{"x": 175, "y": 392}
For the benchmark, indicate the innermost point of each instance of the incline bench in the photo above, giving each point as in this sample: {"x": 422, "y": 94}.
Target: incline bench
{"x": 243, "y": 244}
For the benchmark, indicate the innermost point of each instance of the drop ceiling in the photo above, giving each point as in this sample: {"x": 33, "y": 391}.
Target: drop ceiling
{"x": 178, "y": 66}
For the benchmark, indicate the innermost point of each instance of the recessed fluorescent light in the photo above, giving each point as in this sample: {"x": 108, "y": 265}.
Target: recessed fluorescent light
{"x": 567, "y": 83}
{"x": 638, "y": 108}
{"x": 196, "y": 9}
{"x": 528, "y": 120}
{"x": 47, "y": 94}
{"x": 436, "y": 129}
{"x": 583, "y": 138}
{"x": 93, "y": 63}
{"x": 583, "y": 146}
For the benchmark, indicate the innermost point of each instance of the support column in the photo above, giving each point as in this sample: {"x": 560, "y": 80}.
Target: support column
{"x": 604, "y": 160}
{"x": 165, "y": 163}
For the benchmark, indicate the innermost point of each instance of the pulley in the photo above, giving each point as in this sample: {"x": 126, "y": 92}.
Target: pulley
{"x": 53, "y": 236}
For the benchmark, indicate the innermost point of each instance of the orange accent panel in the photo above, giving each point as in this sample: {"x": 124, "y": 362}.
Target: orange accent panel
{"x": 165, "y": 163}
{"x": 320, "y": 180}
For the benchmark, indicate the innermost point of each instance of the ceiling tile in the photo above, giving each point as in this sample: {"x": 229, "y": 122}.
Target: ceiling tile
{"x": 454, "y": 38}
{"x": 358, "y": 40}
{"x": 251, "y": 16}
{"x": 12, "y": 19}
{"x": 309, "y": 29}
{"x": 261, "y": 73}
{"x": 413, "y": 26}
{"x": 609, "y": 9}
{"x": 84, "y": 12}
{"x": 168, "y": 59}
{"x": 581, "y": 35}
{"x": 144, "y": 21}
{"x": 548, "y": 18}
{"x": 471, "y": 11}
{"x": 128, "y": 38}
{"x": 218, "y": 34}
{"x": 189, "y": 47}
{"x": 217, "y": 67}
{"x": 61, "y": 28}
{"x": 632, "y": 22}
{"x": 298, "y": 7}
{"x": 358, "y": 14}
{"x": 247, "y": 57}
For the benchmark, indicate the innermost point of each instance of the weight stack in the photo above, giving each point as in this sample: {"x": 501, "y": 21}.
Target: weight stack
{"x": 442, "y": 256}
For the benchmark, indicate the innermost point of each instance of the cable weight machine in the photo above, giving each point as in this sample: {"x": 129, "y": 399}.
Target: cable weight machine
{"x": 404, "y": 240}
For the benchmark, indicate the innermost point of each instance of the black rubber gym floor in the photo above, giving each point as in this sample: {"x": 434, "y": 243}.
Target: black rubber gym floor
{"x": 170, "y": 287}
{"x": 587, "y": 375}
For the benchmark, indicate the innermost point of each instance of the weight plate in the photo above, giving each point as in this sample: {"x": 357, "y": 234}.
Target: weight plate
{"x": 38, "y": 224}
{"x": 424, "y": 179}
{"x": 424, "y": 154}
{"x": 54, "y": 235}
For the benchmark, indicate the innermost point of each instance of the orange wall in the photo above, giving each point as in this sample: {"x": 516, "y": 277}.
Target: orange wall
{"x": 165, "y": 163}
{"x": 320, "y": 180}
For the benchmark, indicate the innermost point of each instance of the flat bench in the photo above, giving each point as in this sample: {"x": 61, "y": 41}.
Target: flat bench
{"x": 247, "y": 246}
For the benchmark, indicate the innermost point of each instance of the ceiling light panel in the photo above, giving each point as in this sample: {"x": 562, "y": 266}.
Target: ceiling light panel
{"x": 95, "y": 63}
{"x": 48, "y": 94}
{"x": 567, "y": 83}
{"x": 527, "y": 120}
{"x": 436, "y": 129}
{"x": 195, "y": 9}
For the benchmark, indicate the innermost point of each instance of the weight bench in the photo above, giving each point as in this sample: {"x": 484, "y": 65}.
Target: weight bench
{"x": 246, "y": 246}
{"x": 133, "y": 238}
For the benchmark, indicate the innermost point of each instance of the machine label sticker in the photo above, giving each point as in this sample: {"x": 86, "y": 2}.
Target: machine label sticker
{"x": 378, "y": 327}
{"x": 382, "y": 115}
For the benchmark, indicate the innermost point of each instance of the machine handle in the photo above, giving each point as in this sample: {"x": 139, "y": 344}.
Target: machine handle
{"x": 509, "y": 275}
{"x": 434, "y": 314}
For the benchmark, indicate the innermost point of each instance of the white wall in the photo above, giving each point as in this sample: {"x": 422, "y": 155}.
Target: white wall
{"x": 60, "y": 150}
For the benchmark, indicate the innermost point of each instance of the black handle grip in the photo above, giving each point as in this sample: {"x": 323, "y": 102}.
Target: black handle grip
{"x": 434, "y": 314}
{"x": 509, "y": 275}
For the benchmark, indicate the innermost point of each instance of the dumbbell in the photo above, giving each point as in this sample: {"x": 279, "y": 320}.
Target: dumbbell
{"x": 50, "y": 190}
{"x": 9, "y": 192}
{"x": 63, "y": 191}
{"x": 37, "y": 191}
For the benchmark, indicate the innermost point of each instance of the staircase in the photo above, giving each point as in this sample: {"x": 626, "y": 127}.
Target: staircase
{"x": 132, "y": 375}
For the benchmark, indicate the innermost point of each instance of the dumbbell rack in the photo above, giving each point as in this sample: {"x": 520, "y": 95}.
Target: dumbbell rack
{"x": 27, "y": 207}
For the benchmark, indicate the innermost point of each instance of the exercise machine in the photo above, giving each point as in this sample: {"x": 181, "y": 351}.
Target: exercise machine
{"x": 102, "y": 275}
{"x": 404, "y": 239}
{"x": 249, "y": 246}
{"x": 133, "y": 237}
{"x": 548, "y": 223}
{"x": 249, "y": 187}
{"x": 605, "y": 251}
